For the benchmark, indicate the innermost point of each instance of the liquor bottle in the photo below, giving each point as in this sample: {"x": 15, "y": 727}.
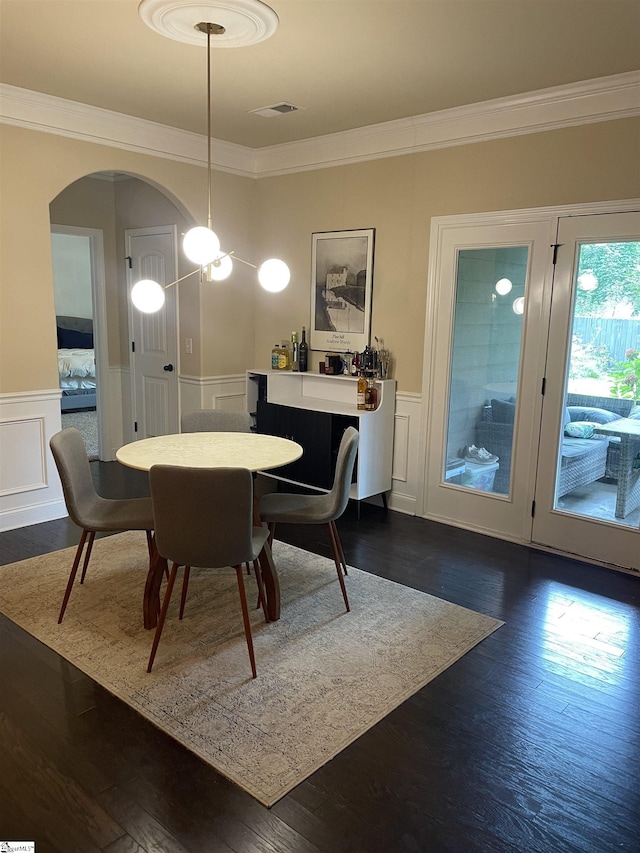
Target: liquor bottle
{"x": 303, "y": 352}
{"x": 371, "y": 394}
{"x": 275, "y": 356}
{"x": 362, "y": 391}
{"x": 366, "y": 359}
{"x": 295, "y": 352}
{"x": 355, "y": 364}
{"x": 284, "y": 359}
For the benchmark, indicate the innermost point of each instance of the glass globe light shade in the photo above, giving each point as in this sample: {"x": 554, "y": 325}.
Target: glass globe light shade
{"x": 274, "y": 275}
{"x": 503, "y": 286}
{"x": 147, "y": 296}
{"x": 201, "y": 245}
{"x": 220, "y": 268}
{"x": 587, "y": 282}
{"x": 518, "y": 305}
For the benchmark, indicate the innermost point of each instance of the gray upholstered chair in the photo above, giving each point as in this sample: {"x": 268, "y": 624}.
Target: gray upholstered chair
{"x": 204, "y": 517}
{"x": 86, "y": 508}
{"x": 288, "y": 508}
{"x": 215, "y": 420}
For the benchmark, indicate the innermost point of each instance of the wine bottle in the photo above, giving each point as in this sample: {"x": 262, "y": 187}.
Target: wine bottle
{"x": 303, "y": 352}
{"x": 295, "y": 352}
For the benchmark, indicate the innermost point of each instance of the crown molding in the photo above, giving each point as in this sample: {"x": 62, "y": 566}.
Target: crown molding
{"x": 602, "y": 99}
{"x": 50, "y": 114}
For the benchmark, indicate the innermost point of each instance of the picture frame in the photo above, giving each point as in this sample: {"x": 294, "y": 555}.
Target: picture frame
{"x": 341, "y": 289}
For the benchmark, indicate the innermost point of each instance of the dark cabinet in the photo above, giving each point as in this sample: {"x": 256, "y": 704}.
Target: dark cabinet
{"x": 319, "y": 433}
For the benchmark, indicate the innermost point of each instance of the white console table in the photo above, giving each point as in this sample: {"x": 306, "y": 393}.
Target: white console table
{"x": 314, "y": 410}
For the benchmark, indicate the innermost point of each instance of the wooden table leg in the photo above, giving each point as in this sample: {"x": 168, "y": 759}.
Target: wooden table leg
{"x": 151, "y": 602}
{"x": 271, "y": 583}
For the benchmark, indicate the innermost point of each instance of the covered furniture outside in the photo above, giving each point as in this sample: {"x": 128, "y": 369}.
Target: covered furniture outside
{"x": 583, "y": 460}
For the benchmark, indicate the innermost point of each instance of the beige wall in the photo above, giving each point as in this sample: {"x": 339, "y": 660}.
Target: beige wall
{"x": 276, "y": 216}
{"x": 34, "y": 169}
{"x": 398, "y": 197}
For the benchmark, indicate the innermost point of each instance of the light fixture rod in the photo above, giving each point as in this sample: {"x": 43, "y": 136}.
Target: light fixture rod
{"x": 209, "y": 126}
{"x": 242, "y": 260}
{"x": 218, "y": 30}
{"x": 182, "y": 278}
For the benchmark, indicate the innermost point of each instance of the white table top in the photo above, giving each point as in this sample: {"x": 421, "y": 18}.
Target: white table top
{"x": 211, "y": 450}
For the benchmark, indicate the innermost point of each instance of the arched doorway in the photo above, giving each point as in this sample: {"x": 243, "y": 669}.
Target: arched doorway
{"x": 110, "y": 203}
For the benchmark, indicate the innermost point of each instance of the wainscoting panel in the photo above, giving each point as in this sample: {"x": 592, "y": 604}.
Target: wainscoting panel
{"x": 213, "y": 392}
{"x": 406, "y": 452}
{"x": 30, "y": 490}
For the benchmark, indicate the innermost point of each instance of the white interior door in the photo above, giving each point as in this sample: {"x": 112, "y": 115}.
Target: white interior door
{"x": 154, "y": 356}
{"x": 589, "y": 505}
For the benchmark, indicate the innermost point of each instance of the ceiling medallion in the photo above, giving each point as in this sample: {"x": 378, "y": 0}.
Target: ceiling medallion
{"x": 244, "y": 22}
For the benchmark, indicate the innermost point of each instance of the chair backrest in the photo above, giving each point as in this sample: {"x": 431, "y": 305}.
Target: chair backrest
{"x": 339, "y": 494}
{"x": 202, "y": 516}
{"x": 215, "y": 420}
{"x": 70, "y": 455}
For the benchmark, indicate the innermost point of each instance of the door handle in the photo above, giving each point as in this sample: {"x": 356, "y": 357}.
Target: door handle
{"x": 168, "y": 368}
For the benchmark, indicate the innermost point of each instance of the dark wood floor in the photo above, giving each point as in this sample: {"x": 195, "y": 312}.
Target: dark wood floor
{"x": 530, "y": 743}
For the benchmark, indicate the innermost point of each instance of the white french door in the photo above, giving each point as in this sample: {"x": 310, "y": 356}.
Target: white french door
{"x": 515, "y": 340}
{"x": 488, "y": 346}
{"x": 589, "y": 506}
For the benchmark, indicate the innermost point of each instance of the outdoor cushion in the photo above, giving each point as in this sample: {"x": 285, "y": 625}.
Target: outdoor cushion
{"x": 579, "y": 429}
{"x": 598, "y": 416}
{"x": 573, "y": 448}
{"x": 635, "y": 413}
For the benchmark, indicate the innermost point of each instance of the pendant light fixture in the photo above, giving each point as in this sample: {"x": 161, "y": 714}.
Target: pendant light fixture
{"x": 237, "y": 23}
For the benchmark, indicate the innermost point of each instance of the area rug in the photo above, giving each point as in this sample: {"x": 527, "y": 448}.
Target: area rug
{"x": 87, "y": 424}
{"x": 324, "y": 676}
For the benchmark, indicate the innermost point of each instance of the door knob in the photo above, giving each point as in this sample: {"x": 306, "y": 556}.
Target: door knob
{"x": 168, "y": 368}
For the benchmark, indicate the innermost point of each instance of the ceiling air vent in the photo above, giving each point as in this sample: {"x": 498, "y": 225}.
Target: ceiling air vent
{"x": 276, "y": 110}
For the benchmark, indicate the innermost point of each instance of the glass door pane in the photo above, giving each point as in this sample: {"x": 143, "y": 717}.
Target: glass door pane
{"x": 602, "y": 388}
{"x": 485, "y": 365}
{"x": 588, "y": 485}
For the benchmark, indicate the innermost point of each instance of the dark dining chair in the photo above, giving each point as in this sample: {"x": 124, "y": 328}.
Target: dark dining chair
{"x": 215, "y": 420}
{"x": 204, "y": 517}
{"x": 282, "y": 507}
{"x": 87, "y": 508}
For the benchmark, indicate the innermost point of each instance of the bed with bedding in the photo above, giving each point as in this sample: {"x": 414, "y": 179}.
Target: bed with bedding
{"x": 76, "y": 363}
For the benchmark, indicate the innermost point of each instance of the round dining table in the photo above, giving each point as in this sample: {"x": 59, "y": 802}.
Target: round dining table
{"x": 250, "y": 450}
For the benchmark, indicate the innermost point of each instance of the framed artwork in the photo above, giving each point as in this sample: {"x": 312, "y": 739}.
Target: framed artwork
{"x": 341, "y": 285}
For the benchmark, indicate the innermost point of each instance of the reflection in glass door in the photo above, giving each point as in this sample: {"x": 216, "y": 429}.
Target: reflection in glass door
{"x": 485, "y": 364}
{"x": 599, "y": 473}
